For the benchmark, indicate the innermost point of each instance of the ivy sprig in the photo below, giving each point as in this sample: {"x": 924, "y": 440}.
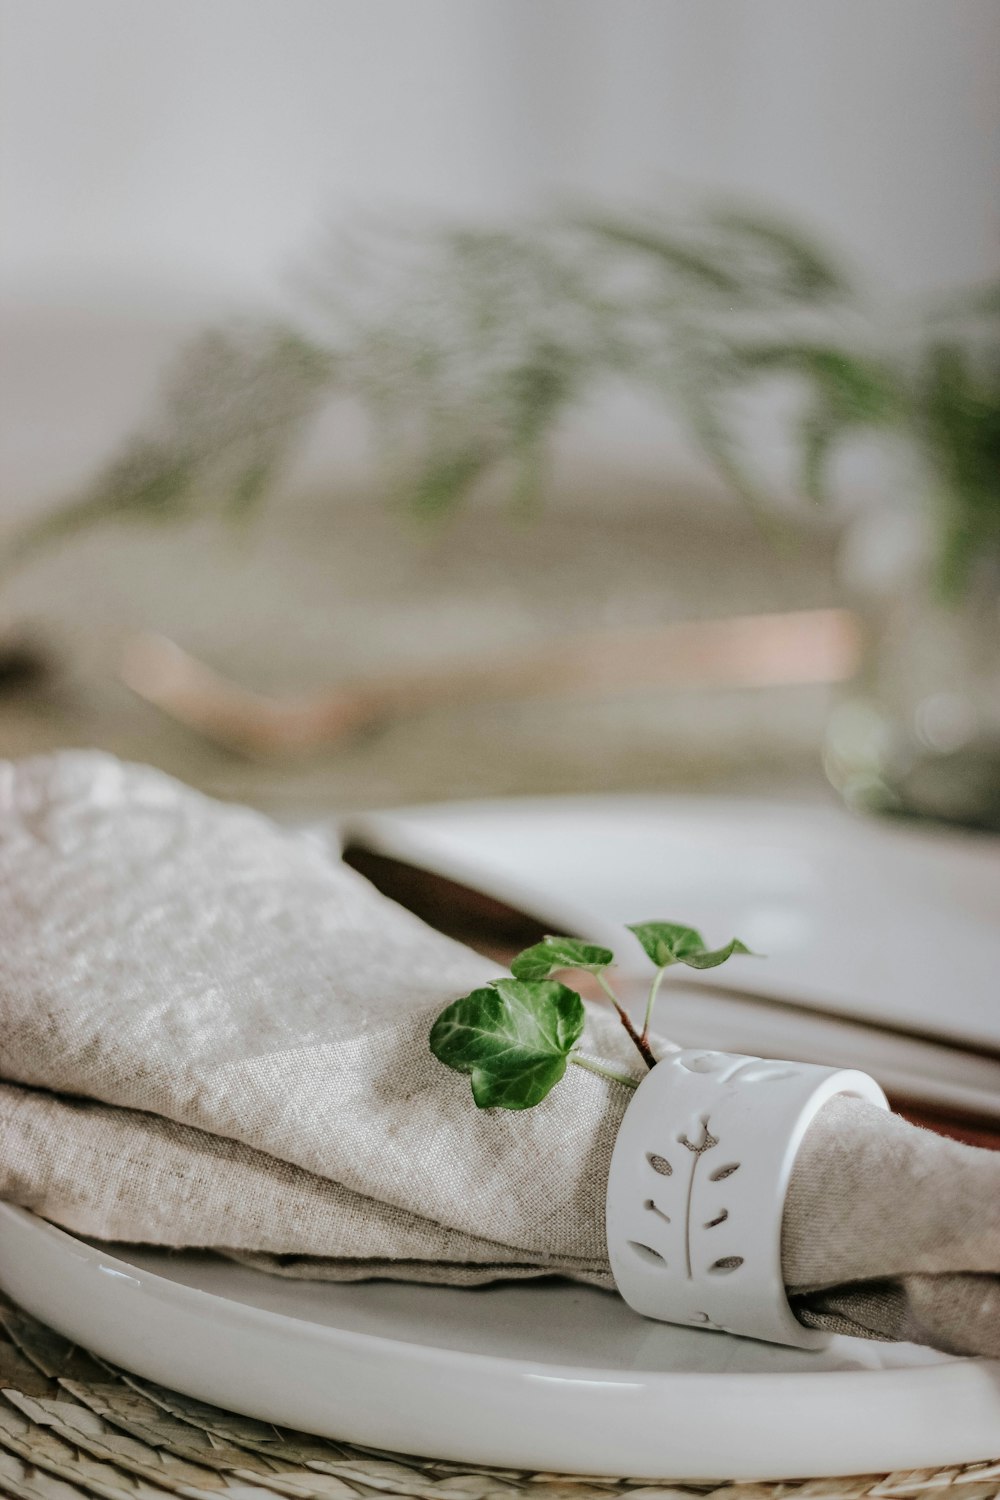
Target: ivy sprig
{"x": 516, "y": 1037}
{"x": 669, "y": 943}
{"x": 554, "y": 953}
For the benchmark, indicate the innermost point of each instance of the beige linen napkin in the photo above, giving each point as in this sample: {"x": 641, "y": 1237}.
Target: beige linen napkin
{"x": 213, "y": 1034}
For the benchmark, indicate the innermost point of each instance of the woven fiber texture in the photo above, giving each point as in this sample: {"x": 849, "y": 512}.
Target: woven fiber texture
{"x": 74, "y": 1427}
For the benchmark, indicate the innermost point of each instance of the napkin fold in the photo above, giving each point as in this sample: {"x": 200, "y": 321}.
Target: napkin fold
{"x": 214, "y": 1035}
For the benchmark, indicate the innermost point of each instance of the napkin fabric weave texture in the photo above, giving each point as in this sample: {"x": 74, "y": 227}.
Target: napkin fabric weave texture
{"x": 214, "y": 1035}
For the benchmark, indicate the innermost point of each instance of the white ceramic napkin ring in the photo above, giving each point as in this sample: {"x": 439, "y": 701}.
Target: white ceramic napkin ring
{"x": 696, "y": 1192}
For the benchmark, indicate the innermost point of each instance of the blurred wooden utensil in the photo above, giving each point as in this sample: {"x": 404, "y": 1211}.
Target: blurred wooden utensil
{"x": 805, "y": 646}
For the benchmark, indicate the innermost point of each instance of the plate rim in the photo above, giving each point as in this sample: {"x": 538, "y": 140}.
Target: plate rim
{"x": 165, "y": 1289}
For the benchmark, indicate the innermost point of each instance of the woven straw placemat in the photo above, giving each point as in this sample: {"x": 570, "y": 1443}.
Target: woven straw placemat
{"x": 73, "y": 1426}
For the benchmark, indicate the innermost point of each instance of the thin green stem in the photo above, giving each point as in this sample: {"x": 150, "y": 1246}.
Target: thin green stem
{"x": 654, "y": 990}
{"x": 643, "y": 1048}
{"x": 605, "y": 986}
{"x": 602, "y": 1071}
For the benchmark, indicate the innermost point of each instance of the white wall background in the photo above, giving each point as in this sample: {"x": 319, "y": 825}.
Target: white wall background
{"x": 159, "y": 158}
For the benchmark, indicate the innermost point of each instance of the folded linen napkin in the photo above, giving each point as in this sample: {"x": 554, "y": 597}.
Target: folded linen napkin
{"x": 214, "y": 1034}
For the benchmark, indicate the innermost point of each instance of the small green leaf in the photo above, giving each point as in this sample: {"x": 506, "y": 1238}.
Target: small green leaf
{"x": 517, "y": 1090}
{"x": 553, "y": 953}
{"x": 669, "y": 943}
{"x": 711, "y": 958}
{"x": 513, "y": 1038}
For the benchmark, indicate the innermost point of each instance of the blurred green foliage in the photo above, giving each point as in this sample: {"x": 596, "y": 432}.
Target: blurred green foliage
{"x": 466, "y": 347}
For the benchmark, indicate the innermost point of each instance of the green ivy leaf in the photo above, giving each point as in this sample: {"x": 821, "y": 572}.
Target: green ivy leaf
{"x": 513, "y": 1038}
{"x": 553, "y": 953}
{"x": 669, "y": 943}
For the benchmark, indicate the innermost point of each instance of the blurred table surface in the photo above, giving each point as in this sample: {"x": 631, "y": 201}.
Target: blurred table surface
{"x": 325, "y": 589}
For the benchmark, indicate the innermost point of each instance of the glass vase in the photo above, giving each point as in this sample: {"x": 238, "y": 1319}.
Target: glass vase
{"x": 917, "y": 733}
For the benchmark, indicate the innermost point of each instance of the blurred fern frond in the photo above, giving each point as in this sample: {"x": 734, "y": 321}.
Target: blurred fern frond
{"x": 467, "y": 346}
{"x": 231, "y": 411}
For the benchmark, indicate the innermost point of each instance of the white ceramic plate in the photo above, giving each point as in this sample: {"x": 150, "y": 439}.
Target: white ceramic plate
{"x": 536, "y": 1376}
{"x": 553, "y": 1376}
{"x": 875, "y": 921}
{"x": 874, "y": 917}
